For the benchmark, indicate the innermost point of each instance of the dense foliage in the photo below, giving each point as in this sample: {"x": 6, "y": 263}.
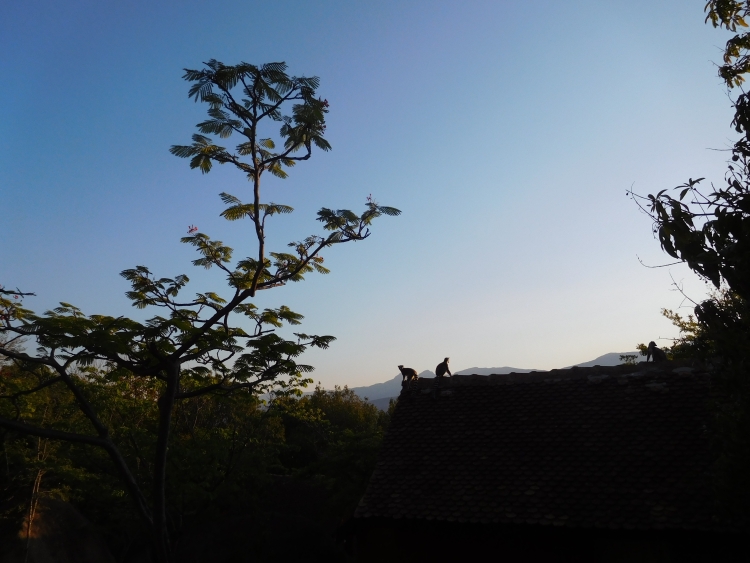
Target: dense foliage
{"x": 244, "y": 475}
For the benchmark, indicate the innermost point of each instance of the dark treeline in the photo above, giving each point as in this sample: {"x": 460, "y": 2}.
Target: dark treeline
{"x": 244, "y": 475}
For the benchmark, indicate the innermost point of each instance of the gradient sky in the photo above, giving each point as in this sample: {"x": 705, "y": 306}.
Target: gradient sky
{"x": 506, "y": 131}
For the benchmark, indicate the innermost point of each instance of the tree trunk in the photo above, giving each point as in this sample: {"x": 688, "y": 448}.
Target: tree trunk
{"x": 162, "y": 545}
{"x": 33, "y": 501}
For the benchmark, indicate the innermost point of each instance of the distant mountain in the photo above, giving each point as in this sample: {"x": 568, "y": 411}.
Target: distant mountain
{"x": 611, "y": 359}
{"x": 383, "y": 403}
{"x": 490, "y": 371}
{"x": 380, "y": 393}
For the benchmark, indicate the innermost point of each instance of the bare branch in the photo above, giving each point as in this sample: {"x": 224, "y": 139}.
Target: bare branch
{"x": 659, "y": 266}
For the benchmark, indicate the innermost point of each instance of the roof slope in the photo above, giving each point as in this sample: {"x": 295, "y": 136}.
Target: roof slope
{"x": 616, "y": 447}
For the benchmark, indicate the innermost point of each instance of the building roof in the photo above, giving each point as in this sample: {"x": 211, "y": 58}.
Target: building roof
{"x": 622, "y": 447}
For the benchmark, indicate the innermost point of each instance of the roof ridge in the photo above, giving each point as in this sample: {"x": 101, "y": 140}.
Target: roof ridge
{"x": 593, "y": 373}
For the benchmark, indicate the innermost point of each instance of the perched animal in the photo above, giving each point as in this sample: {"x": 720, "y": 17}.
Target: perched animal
{"x": 407, "y": 374}
{"x": 657, "y": 354}
{"x": 442, "y": 368}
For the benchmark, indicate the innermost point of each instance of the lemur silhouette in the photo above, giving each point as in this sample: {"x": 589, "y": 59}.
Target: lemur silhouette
{"x": 442, "y": 368}
{"x": 407, "y": 375}
{"x": 657, "y": 354}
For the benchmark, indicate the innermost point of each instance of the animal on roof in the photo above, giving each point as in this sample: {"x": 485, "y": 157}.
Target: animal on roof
{"x": 657, "y": 354}
{"x": 407, "y": 374}
{"x": 442, "y": 368}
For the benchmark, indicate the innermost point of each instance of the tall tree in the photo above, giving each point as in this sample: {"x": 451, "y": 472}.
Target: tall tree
{"x": 709, "y": 230}
{"x": 194, "y": 346}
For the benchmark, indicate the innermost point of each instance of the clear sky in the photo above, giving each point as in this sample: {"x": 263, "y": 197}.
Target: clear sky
{"x": 506, "y": 131}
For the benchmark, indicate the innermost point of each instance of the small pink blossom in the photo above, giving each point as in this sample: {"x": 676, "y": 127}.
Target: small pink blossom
{"x": 192, "y": 229}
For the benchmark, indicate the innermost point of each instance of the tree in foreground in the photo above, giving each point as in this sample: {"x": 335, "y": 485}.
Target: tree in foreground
{"x": 709, "y": 230}
{"x": 194, "y": 346}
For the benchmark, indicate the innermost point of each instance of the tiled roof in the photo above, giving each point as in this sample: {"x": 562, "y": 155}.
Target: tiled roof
{"x": 622, "y": 447}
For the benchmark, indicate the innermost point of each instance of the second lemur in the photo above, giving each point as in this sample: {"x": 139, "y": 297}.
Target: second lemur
{"x": 442, "y": 368}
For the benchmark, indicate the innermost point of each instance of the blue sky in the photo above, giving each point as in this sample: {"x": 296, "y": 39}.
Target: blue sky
{"x": 506, "y": 132}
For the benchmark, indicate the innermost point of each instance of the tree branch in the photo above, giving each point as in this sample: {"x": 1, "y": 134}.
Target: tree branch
{"x": 25, "y": 357}
{"x": 34, "y": 390}
{"x": 222, "y": 387}
{"x": 16, "y": 292}
{"x": 53, "y": 434}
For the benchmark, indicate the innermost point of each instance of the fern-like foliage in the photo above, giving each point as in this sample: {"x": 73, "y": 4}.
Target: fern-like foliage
{"x": 240, "y": 98}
